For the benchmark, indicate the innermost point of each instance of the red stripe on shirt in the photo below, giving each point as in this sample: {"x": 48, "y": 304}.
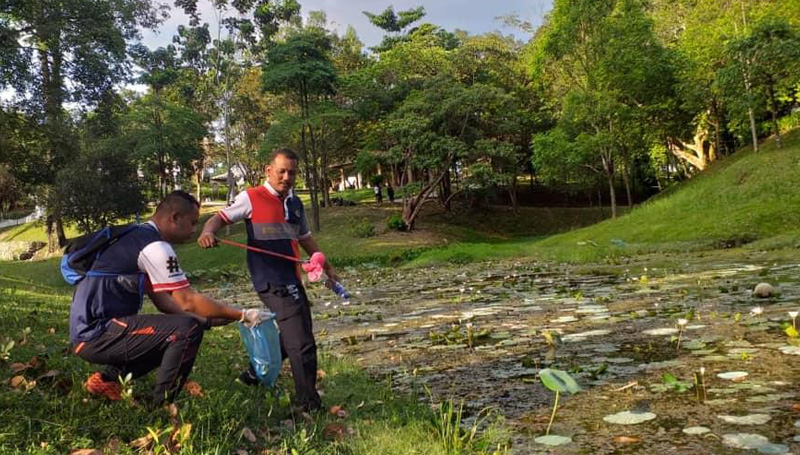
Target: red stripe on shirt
{"x": 166, "y": 287}
{"x": 267, "y": 208}
{"x": 224, "y": 217}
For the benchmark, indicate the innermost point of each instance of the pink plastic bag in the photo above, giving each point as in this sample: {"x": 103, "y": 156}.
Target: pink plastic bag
{"x": 314, "y": 266}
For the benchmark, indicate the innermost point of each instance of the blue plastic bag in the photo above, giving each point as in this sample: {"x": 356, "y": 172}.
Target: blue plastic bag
{"x": 264, "y": 348}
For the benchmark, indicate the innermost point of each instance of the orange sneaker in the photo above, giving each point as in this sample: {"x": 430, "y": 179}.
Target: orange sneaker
{"x": 97, "y": 386}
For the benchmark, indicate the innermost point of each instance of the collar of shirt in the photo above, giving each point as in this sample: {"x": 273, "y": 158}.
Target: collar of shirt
{"x": 154, "y": 225}
{"x": 285, "y": 200}
{"x": 275, "y": 193}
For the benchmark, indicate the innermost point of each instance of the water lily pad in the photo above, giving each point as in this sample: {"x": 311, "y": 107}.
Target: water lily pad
{"x": 693, "y": 345}
{"x": 714, "y": 358}
{"x": 750, "y": 419}
{"x": 696, "y": 430}
{"x": 790, "y": 350}
{"x": 733, "y": 375}
{"x": 769, "y": 398}
{"x": 750, "y": 441}
{"x": 662, "y": 331}
{"x": 581, "y": 335}
{"x": 629, "y": 418}
{"x": 558, "y": 381}
{"x": 553, "y": 440}
{"x": 704, "y": 351}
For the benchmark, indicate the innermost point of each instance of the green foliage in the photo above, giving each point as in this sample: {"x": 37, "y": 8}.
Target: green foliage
{"x": 361, "y": 228}
{"x": 395, "y": 222}
{"x": 763, "y": 67}
{"x": 164, "y": 137}
{"x": 98, "y": 189}
{"x": 10, "y": 190}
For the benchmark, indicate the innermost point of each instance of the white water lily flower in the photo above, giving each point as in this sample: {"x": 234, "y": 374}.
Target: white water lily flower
{"x": 703, "y": 370}
{"x": 757, "y": 311}
{"x": 682, "y": 322}
{"x": 793, "y": 314}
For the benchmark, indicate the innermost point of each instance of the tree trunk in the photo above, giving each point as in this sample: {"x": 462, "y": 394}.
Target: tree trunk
{"x": 446, "y": 191}
{"x": 413, "y": 205}
{"x": 608, "y": 171}
{"x": 773, "y": 107}
{"x": 717, "y": 126}
{"x": 626, "y": 178}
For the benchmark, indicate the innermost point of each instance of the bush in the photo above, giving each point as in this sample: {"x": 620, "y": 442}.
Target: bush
{"x": 395, "y": 222}
{"x": 97, "y": 189}
{"x": 362, "y": 228}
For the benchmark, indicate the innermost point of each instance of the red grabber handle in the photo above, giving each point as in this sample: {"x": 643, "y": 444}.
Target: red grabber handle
{"x": 259, "y": 250}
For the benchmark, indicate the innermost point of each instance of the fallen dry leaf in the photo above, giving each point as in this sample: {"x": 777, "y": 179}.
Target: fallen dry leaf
{"x": 172, "y": 409}
{"x": 193, "y": 388}
{"x": 796, "y": 407}
{"x": 627, "y": 439}
{"x": 17, "y": 367}
{"x": 241, "y": 452}
{"x": 49, "y": 375}
{"x": 86, "y": 452}
{"x": 248, "y": 434}
{"x": 321, "y": 374}
{"x": 334, "y": 431}
{"x": 51, "y": 330}
{"x": 141, "y": 443}
{"x": 17, "y": 381}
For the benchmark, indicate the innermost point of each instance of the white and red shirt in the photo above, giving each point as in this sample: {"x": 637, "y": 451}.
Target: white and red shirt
{"x": 160, "y": 263}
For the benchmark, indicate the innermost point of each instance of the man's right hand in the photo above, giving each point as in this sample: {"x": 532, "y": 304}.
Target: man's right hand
{"x": 207, "y": 240}
{"x": 251, "y": 317}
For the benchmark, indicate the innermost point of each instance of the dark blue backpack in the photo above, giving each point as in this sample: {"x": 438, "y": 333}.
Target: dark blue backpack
{"x": 81, "y": 252}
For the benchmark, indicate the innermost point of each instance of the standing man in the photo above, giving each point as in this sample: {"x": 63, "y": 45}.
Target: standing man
{"x": 390, "y": 192}
{"x": 104, "y": 325}
{"x": 275, "y": 221}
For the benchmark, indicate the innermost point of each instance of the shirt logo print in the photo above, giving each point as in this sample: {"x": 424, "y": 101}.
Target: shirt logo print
{"x": 172, "y": 265}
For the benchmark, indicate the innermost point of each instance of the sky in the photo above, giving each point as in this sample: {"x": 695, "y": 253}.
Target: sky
{"x": 474, "y": 16}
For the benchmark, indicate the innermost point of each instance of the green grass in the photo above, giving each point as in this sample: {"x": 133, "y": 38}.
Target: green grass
{"x": 55, "y": 416}
{"x": 745, "y": 200}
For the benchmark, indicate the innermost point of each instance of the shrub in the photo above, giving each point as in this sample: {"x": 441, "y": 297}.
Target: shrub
{"x": 395, "y": 221}
{"x": 362, "y": 228}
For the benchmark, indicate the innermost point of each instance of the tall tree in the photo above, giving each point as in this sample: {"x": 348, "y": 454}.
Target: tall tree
{"x": 67, "y": 50}
{"x": 607, "y": 69}
{"x": 395, "y": 25}
{"x": 301, "y": 66}
{"x": 768, "y": 61}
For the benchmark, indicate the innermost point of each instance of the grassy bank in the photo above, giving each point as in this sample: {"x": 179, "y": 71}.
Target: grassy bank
{"x": 47, "y": 412}
{"x": 746, "y": 200}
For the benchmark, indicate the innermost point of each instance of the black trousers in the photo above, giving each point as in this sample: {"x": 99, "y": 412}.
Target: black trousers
{"x": 293, "y": 315}
{"x": 139, "y": 344}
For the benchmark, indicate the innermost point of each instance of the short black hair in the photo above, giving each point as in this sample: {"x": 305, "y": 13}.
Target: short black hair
{"x": 178, "y": 201}
{"x": 286, "y": 152}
